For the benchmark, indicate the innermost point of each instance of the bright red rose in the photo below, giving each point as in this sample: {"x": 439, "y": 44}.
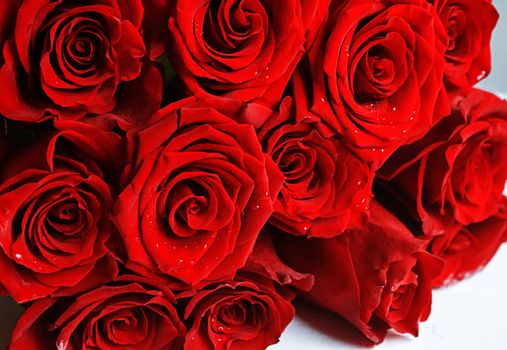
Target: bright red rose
{"x": 466, "y": 250}
{"x": 468, "y": 52}
{"x": 457, "y": 172}
{"x": 54, "y": 208}
{"x": 201, "y": 193}
{"x": 70, "y": 58}
{"x": 376, "y": 277}
{"x": 129, "y": 315}
{"x": 377, "y": 74}
{"x": 244, "y": 49}
{"x": 327, "y": 188}
{"x": 247, "y": 313}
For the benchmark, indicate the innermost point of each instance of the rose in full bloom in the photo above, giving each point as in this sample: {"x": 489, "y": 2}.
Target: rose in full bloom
{"x": 55, "y": 211}
{"x": 327, "y": 188}
{"x": 246, "y": 313}
{"x": 241, "y": 49}
{"x": 457, "y": 172}
{"x": 201, "y": 192}
{"x": 377, "y": 73}
{"x": 376, "y": 277}
{"x": 127, "y": 314}
{"x": 468, "y": 249}
{"x": 468, "y": 53}
{"x": 70, "y": 58}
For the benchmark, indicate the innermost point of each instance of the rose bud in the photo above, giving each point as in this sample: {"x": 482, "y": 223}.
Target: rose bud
{"x": 327, "y": 188}
{"x": 200, "y": 193}
{"x": 377, "y": 277}
{"x": 242, "y": 50}
{"x": 468, "y": 54}
{"x": 247, "y": 313}
{"x": 375, "y": 74}
{"x": 70, "y": 58}
{"x": 128, "y": 314}
{"x": 456, "y": 174}
{"x": 55, "y": 206}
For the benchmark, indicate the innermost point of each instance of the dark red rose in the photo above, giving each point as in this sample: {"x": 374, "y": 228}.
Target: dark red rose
{"x": 377, "y": 74}
{"x": 376, "y": 277}
{"x": 128, "y": 315}
{"x": 327, "y": 187}
{"x": 54, "y": 207}
{"x": 468, "y": 249}
{"x": 201, "y": 193}
{"x": 469, "y": 24}
{"x": 241, "y": 49}
{"x": 457, "y": 172}
{"x": 70, "y": 58}
{"x": 248, "y": 313}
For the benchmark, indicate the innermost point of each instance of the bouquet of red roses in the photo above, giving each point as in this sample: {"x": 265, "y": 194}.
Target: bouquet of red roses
{"x": 175, "y": 172}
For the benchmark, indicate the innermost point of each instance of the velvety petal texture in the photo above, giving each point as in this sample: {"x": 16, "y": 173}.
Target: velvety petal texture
{"x": 201, "y": 192}
{"x": 248, "y": 313}
{"x": 70, "y": 58}
{"x": 377, "y": 74}
{"x": 126, "y": 314}
{"x": 243, "y": 49}
{"x": 55, "y": 212}
{"x": 378, "y": 277}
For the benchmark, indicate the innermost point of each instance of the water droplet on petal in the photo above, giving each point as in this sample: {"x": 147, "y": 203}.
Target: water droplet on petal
{"x": 18, "y": 256}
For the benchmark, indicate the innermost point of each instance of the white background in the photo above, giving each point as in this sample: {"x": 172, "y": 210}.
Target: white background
{"x": 470, "y": 315}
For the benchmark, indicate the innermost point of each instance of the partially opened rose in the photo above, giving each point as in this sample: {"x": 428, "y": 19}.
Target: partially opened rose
{"x": 201, "y": 192}
{"x": 71, "y": 58}
{"x": 55, "y": 210}
{"x": 127, "y": 314}
{"x": 457, "y": 172}
{"x": 377, "y": 73}
{"x": 468, "y": 53}
{"x": 468, "y": 249}
{"x": 376, "y": 277}
{"x": 241, "y": 49}
{"x": 247, "y": 313}
{"x": 327, "y": 187}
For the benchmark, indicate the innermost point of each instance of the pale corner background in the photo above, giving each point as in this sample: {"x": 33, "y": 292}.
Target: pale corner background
{"x": 469, "y": 316}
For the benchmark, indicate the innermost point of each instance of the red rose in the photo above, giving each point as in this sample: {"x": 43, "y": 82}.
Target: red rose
{"x": 201, "y": 193}
{"x": 467, "y": 249}
{"x": 327, "y": 188}
{"x": 54, "y": 207}
{"x": 457, "y": 172}
{"x": 242, "y": 314}
{"x": 376, "y": 277}
{"x": 377, "y": 73}
{"x": 122, "y": 315}
{"x": 241, "y": 49}
{"x": 468, "y": 52}
{"x": 70, "y": 58}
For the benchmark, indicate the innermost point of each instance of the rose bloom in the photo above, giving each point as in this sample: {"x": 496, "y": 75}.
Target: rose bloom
{"x": 327, "y": 188}
{"x": 242, "y": 50}
{"x": 54, "y": 205}
{"x": 127, "y": 314}
{"x": 376, "y": 277}
{"x": 468, "y": 249}
{"x": 71, "y": 58}
{"x": 468, "y": 52}
{"x": 375, "y": 74}
{"x": 457, "y": 172}
{"x": 246, "y": 313}
{"x": 201, "y": 192}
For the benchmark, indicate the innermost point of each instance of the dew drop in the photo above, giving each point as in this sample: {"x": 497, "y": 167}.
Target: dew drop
{"x": 18, "y": 256}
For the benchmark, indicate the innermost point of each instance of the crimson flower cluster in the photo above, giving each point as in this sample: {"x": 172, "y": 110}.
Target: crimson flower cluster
{"x": 175, "y": 172}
